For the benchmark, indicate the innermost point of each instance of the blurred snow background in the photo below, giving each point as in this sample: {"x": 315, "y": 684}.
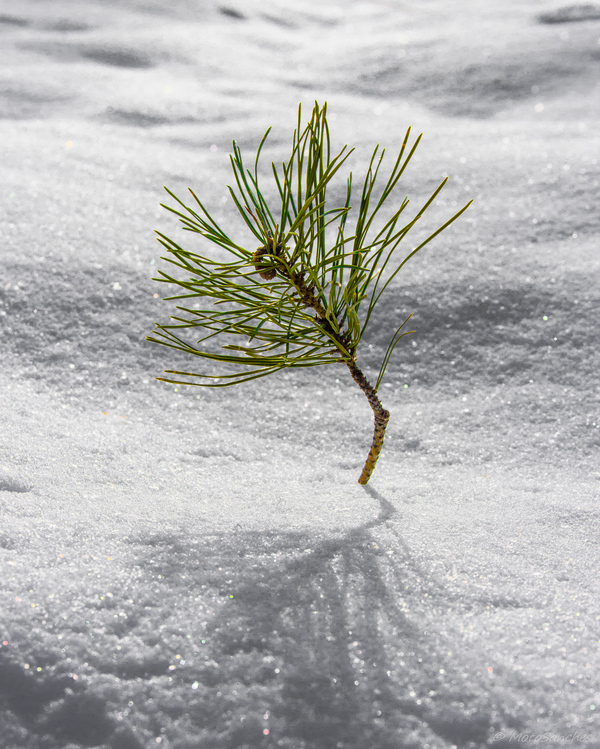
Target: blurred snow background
{"x": 198, "y": 569}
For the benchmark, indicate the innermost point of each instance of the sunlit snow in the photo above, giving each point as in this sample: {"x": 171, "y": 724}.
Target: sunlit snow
{"x": 199, "y": 569}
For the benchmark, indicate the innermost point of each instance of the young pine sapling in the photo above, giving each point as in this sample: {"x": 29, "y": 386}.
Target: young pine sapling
{"x": 306, "y": 296}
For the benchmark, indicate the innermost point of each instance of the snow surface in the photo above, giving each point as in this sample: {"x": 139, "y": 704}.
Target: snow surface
{"x": 198, "y": 569}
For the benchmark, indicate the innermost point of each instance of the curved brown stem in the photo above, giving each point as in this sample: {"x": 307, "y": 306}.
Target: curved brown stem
{"x": 381, "y": 420}
{"x": 382, "y": 416}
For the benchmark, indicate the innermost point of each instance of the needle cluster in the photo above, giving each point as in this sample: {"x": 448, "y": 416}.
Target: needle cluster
{"x": 305, "y": 296}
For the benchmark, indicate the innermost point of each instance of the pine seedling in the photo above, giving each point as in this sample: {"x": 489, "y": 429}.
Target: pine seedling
{"x": 306, "y": 296}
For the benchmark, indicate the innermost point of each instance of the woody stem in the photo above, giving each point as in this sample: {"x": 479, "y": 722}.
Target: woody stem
{"x": 381, "y": 419}
{"x": 381, "y": 415}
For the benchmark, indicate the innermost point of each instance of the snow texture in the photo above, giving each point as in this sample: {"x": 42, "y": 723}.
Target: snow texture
{"x": 198, "y": 569}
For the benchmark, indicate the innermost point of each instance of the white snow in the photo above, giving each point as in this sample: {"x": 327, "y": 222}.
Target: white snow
{"x": 199, "y": 569}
